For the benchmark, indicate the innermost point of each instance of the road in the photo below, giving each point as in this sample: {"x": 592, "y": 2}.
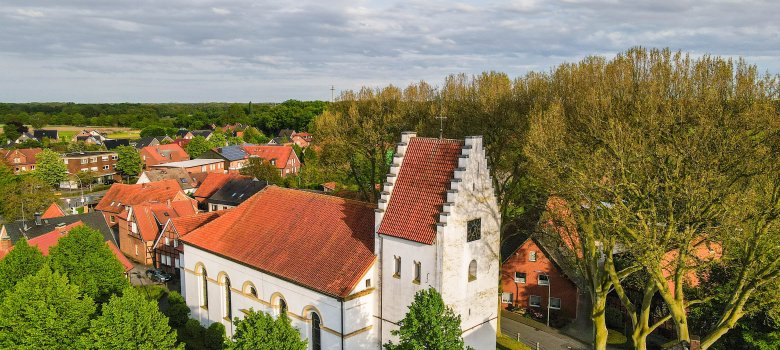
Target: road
{"x": 531, "y": 336}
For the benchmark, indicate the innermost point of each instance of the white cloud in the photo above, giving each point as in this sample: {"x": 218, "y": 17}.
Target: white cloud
{"x": 220, "y": 11}
{"x": 30, "y": 13}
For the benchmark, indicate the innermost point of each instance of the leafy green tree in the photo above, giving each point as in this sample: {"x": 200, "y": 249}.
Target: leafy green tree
{"x": 218, "y": 139}
{"x": 12, "y": 131}
{"x": 214, "y": 337}
{"x": 262, "y": 170}
{"x": 87, "y": 177}
{"x": 50, "y": 168}
{"x": 130, "y": 322}
{"x": 197, "y": 146}
{"x": 89, "y": 263}
{"x": 178, "y": 312}
{"x": 25, "y": 196}
{"x": 154, "y": 130}
{"x": 44, "y": 311}
{"x": 252, "y": 135}
{"x": 29, "y": 143}
{"x": 129, "y": 161}
{"x": 261, "y": 331}
{"x": 429, "y": 324}
{"x": 235, "y": 140}
{"x": 7, "y": 177}
{"x": 22, "y": 261}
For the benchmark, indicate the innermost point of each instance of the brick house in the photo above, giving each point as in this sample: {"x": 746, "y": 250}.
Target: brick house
{"x": 161, "y": 154}
{"x": 167, "y": 246}
{"x": 195, "y": 166}
{"x": 120, "y": 196}
{"x": 528, "y": 274}
{"x": 235, "y": 157}
{"x": 281, "y": 157}
{"x": 302, "y": 139}
{"x": 101, "y": 162}
{"x": 20, "y": 160}
{"x": 140, "y": 225}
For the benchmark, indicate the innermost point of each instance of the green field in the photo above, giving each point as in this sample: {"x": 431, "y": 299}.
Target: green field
{"x": 127, "y": 134}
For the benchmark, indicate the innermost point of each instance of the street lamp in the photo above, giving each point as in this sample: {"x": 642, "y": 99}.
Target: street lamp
{"x": 547, "y": 276}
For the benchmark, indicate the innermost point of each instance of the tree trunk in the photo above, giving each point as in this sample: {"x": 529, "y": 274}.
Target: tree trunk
{"x": 599, "y": 316}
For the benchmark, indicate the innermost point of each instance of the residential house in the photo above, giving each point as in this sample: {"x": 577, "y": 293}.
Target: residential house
{"x": 205, "y": 133}
{"x": 51, "y": 134}
{"x": 140, "y": 225}
{"x": 531, "y": 279}
{"x": 195, "y": 166}
{"x": 280, "y": 141}
{"x": 161, "y": 154}
{"x": 112, "y": 144}
{"x": 235, "y": 157}
{"x": 167, "y": 248}
{"x": 45, "y": 232}
{"x": 233, "y": 193}
{"x": 152, "y": 141}
{"x": 329, "y": 187}
{"x": 24, "y": 137}
{"x": 120, "y": 196}
{"x": 281, "y": 157}
{"x": 103, "y": 163}
{"x": 212, "y": 183}
{"x": 185, "y": 180}
{"x": 53, "y": 211}
{"x": 20, "y": 160}
{"x": 181, "y": 133}
{"x": 345, "y": 272}
{"x": 182, "y": 142}
{"x": 92, "y": 137}
{"x": 302, "y": 139}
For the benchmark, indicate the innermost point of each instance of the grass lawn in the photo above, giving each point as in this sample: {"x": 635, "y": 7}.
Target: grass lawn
{"x": 615, "y": 337}
{"x": 152, "y": 291}
{"x": 506, "y": 343}
{"x": 128, "y": 134}
{"x": 67, "y": 134}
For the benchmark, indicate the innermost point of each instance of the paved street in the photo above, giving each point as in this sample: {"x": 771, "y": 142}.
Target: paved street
{"x": 531, "y": 336}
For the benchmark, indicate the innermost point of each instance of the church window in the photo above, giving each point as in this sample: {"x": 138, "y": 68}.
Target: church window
{"x": 282, "y": 307}
{"x": 474, "y": 230}
{"x": 204, "y": 295}
{"x": 253, "y": 291}
{"x": 532, "y": 256}
{"x": 417, "y": 272}
{"x": 368, "y": 283}
{"x": 228, "y": 300}
{"x": 316, "y": 343}
{"x": 397, "y": 270}
{"x": 472, "y": 270}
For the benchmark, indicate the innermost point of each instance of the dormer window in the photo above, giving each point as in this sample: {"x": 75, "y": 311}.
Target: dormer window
{"x": 473, "y": 230}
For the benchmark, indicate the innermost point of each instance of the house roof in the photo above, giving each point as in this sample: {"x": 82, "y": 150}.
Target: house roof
{"x": 236, "y": 191}
{"x": 120, "y": 195}
{"x": 114, "y": 143}
{"x": 186, "y": 224}
{"x": 204, "y": 133}
{"x": 182, "y": 132}
{"x": 147, "y": 141}
{"x": 150, "y": 217}
{"x": 53, "y": 211}
{"x": 212, "y": 183}
{"x": 321, "y": 242}
{"x": 181, "y": 176}
{"x": 421, "y": 189}
{"x": 231, "y": 153}
{"x": 121, "y": 257}
{"x": 28, "y": 153}
{"x": 188, "y": 163}
{"x": 165, "y": 153}
{"x": 95, "y": 220}
{"x": 281, "y": 154}
{"x": 87, "y": 154}
{"x": 47, "y": 133}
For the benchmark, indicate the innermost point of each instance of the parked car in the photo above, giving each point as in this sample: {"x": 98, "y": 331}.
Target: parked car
{"x": 157, "y": 275}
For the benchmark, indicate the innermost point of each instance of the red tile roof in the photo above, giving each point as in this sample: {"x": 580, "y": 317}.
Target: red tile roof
{"x": 421, "y": 189}
{"x": 322, "y": 242}
{"x": 121, "y": 257}
{"x": 53, "y": 211}
{"x": 45, "y": 241}
{"x": 186, "y": 224}
{"x": 281, "y": 154}
{"x": 28, "y": 153}
{"x": 164, "y": 153}
{"x": 212, "y": 183}
{"x": 148, "y": 215}
{"x": 120, "y": 195}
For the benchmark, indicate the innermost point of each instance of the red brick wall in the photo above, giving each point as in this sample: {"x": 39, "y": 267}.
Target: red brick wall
{"x": 560, "y": 286}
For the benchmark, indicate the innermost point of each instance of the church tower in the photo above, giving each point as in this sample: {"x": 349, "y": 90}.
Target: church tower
{"x": 437, "y": 225}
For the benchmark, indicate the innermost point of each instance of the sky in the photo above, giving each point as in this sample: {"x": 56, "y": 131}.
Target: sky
{"x": 238, "y": 51}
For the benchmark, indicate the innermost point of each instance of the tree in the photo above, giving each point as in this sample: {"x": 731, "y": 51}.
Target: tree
{"x": 129, "y": 161}
{"x": 218, "y": 139}
{"x": 235, "y": 140}
{"x": 130, "y": 322}
{"x": 252, "y": 135}
{"x": 197, "y": 146}
{"x": 260, "y": 331}
{"x": 25, "y": 196}
{"x": 44, "y": 311}
{"x": 214, "y": 337}
{"x": 50, "y": 168}
{"x": 262, "y": 170}
{"x": 13, "y": 130}
{"x": 154, "y": 130}
{"x": 87, "y": 177}
{"x": 178, "y": 312}
{"x": 89, "y": 263}
{"x": 22, "y": 261}
{"x": 429, "y": 324}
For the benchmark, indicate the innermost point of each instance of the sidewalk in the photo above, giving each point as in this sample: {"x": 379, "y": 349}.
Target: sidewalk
{"x": 537, "y": 336}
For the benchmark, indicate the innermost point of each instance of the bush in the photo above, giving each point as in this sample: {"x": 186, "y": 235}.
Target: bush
{"x": 178, "y": 312}
{"x": 615, "y": 337}
{"x": 214, "y": 338}
{"x": 152, "y": 291}
{"x": 192, "y": 330}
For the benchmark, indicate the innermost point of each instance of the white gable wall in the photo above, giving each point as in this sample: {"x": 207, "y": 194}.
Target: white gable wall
{"x": 358, "y": 321}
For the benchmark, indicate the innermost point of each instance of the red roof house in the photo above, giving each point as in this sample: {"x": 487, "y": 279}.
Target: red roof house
{"x": 20, "y": 160}
{"x": 166, "y": 246}
{"x": 282, "y": 157}
{"x": 161, "y": 154}
{"x": 120, "y": 196}
{"x": 329, "y": 239}
{"x": 53, "y": 211}
{"x": 212, "y": 183}
{"x": 140, "y": 225}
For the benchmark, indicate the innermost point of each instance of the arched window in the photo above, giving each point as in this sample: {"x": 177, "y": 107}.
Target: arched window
{"x": 204, "y": 282}
{"x": 228, "y": 301}
{"x": 315, "y": 332}
{"x": 282, "y": 307}
{"x": 253, "y": 291}
{"x": 472, "y": 270}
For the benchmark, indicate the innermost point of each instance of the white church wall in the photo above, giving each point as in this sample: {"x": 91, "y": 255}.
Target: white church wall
{"x": 301, "y": 301}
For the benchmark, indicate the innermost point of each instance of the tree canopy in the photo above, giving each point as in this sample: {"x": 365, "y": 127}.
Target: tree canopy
{"x": 22, "y": 261}
{"x": 129, "y": 161}
{"x": 429, "y": 324}
{"x": 50, "y": 168}
{"x": 197, "y": 146}
{"x": 261, "y": 331}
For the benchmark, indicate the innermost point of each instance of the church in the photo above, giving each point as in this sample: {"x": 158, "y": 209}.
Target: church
{"x": 344, "y": 272}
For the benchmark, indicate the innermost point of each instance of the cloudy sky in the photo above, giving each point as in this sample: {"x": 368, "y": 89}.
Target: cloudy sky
{"x": 232, "y": 50}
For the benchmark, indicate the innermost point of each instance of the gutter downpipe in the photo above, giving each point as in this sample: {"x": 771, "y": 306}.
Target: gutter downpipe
{"x": 342, "y": 323}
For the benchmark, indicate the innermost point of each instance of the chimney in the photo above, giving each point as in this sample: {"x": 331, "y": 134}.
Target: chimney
{"x": 38, "y": 219}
